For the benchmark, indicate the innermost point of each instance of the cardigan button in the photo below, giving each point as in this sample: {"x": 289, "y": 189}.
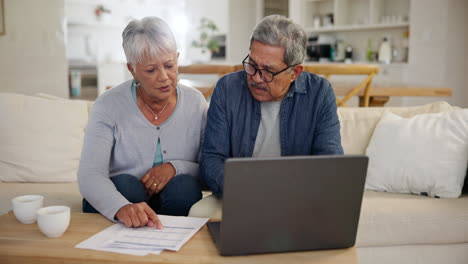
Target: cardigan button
{"x": 158, "y": 128}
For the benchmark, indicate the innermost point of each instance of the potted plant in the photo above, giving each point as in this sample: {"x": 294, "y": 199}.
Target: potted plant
{"x": 100, "y": 11}
{"x": 205, "y": 45}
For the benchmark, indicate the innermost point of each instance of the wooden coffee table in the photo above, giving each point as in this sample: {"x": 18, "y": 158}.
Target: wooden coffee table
{"x": 21, "y": 243}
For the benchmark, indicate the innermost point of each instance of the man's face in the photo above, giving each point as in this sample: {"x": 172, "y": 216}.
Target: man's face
{"x": 267, "y": 57}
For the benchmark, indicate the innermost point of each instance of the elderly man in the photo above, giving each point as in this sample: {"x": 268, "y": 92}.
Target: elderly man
{"x": 270, "y": 109}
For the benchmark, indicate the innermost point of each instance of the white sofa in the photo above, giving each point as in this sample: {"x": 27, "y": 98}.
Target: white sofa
{"x": 43, "y": 137}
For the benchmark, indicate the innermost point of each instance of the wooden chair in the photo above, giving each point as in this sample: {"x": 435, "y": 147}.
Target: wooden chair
{"x": 220, "y": 70}
{"x": 327, "y": 70}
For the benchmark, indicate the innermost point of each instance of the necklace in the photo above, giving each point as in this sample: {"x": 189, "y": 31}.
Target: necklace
{"x": 156, "y": 115}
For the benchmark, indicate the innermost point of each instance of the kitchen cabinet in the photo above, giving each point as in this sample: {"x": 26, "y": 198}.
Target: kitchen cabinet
{"x": 358, "y": 23}
{"x": 350, "y": 15}
{"x": 430, "y": 35}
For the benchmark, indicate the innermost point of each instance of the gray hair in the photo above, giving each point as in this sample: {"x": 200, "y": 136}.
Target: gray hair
{"x": 147, "y": 37}
{"x": 280, "y": 31}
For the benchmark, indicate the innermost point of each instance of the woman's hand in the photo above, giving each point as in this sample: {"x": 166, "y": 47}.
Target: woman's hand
{"x": 137, "y": 215}
{"x": 156, "y": 178}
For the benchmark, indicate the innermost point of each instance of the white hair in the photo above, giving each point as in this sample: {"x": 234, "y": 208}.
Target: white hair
{"x": 147, "y": 37}
{"x": 280, "y": 31}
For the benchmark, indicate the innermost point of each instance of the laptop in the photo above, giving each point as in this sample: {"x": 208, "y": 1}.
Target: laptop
{"x": 293, "y": 203}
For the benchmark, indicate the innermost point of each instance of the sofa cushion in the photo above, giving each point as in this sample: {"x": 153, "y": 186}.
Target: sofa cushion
{"x": 66, "y": 193}
{"x": 425, "y": 154}
{"x": 358, "y": 123}
{"x": 41, "y": 138}
{"x": 89, "y": 104}
{"x": 389, "y": 219}
{"x": 411, "y": 254}
{"x": 403, "y": 219}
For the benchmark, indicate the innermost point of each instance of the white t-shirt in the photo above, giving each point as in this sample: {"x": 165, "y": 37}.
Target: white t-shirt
{"x": 267, "y": 143}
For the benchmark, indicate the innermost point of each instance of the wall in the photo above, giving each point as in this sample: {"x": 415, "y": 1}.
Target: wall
{"x": 215, "y": 10}
{"x": 465, "y": 66}
{"x": 457, "y": 52}
{"x": 427, "y": 57}
{"x": 243, "y": 16}
{"x": 33, "y": 50}
{"x": 95, "y": 40}
{"x": 438, "y": 53}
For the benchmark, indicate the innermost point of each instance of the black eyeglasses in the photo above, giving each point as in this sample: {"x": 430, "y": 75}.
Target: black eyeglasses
{"x": 266, "y": 75}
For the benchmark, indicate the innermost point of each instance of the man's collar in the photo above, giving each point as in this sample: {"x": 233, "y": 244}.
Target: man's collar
{"x": 298, "y": 86}
{"x": 244, "y": 79}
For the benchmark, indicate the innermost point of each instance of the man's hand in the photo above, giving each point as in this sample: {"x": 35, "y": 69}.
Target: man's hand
{"x": 137, "y": 215}
{"x": 156, "y": 178}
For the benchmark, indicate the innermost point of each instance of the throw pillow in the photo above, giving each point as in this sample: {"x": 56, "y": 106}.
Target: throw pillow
{"x": 426, "y": 154}
{"x": 358, "y": 123}
{"x": 41, "y": 138}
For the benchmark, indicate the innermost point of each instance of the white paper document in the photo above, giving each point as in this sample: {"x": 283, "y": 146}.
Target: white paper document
{"x": 145, "y": 240}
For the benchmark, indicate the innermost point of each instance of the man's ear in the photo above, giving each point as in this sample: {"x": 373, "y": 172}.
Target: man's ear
{"x": 297, "y": 70}
{"x": 130, "y": 68}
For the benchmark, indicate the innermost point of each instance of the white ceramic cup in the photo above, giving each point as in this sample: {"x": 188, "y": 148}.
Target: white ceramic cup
{"x": 53, "y": 221}
{"x": 26, "y": 206}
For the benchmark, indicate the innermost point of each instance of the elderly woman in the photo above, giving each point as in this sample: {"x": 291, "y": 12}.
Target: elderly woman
{"x": 141, "y": 147}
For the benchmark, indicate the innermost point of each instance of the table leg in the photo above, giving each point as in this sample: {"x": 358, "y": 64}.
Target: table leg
{"x": 375, "y": 101}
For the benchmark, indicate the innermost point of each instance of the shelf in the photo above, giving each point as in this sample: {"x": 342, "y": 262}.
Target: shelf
{"x": 382, "y": 65}
{"x": 356, "y": 27}
{"x": 97, "y": 24}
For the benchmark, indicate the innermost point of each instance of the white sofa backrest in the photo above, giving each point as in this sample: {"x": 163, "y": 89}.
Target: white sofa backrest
{"x": 41, "y": 137}
{"x": 358, "y": 123}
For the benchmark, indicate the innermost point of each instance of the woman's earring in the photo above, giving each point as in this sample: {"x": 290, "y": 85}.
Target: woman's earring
{"x": 137, "y": 83}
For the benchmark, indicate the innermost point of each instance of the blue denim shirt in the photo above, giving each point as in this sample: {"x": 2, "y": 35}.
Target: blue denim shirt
{"x": 309, "y": 123}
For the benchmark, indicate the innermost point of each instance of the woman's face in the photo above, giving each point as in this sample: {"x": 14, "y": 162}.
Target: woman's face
{"x": 157, "y": 76}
